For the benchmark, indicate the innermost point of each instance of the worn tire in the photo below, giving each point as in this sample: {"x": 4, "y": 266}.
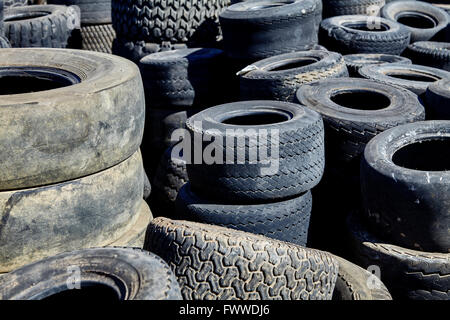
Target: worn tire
{"x": 86, "y": 212}
{"x": 251, "y": 33}
{"x": 274, "y": 79}
{"x": 92, "y": 11}
{"x": 218, "y": 263}
{"x": 408, "y": 274}
{"x": 4, "y": 43}
{"x": 183, "y": 78}
{"x": 299, "y": 142}
{"x": 403, "y": 189}
{"x": 429, "y": 53}
{"x": 357, "y": 61}
{"x": 415, "y": 78}
{"x": 66, "y": 133}
{"x": 42, "y": 26}
{"x": 98, "y": 38}
{"x": 286, "y": 220}
{"x": 1, "y": 21}
{"x": 352, "y": 284}
{"x": 401, "y": 10}
{"x": 143, "y": 275}
{"x": 347, "y": 35}
{"x": 332, "y": 8}
{"x": 437, "y": 100}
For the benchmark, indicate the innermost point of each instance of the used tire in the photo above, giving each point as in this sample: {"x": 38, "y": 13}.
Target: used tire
{"x": 174, "y": 21}
{"x": 92, "y": 211}
{"x": 183, "y": 78}
{"x": 422, "y": 19}
{"x": 352, "y": 284}
{"x": 415, "y": 78}
{"x": 92, "y": 11}
{"x": 332, "y": 8}
{"x": 357, "y": 61}
{"x": 437, "y": 100}
{"x": 98, "y": 37}
{"x": 429, "y": 53}
{"x": 352, "y": 34}
{"x": 1, "y": 21}
{"x": 218, "y": 263}
{"x": 93, "y": 120}
{"x": 279, "y": 77}
{"x": 408, "y": 274}
{"x": 286, "y": 220}
{"x": 128, "y": 274}
{"x": 4, "y": 43}
{"x": 293, "y": 131}
{"x": 40, "y": 26}
{"x": 405, "y": 182}
{"x": 258, "y": 29}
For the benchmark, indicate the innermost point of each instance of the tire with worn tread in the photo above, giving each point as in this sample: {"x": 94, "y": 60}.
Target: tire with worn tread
{"x": 218, "y": 263}
{"x": 358, "y": 60}
{"x": 430, "y": 53}
{"x": 92, "y": 11}
{"x": 437, "y": 100}
{"x": 332, "y": 8}
{"x": 132, "y": 274}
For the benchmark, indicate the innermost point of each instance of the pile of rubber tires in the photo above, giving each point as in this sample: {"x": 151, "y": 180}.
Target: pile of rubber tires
{"x": 295, "y": 150}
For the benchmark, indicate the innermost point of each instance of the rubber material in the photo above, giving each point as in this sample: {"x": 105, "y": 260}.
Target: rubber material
{"x": 92, "y": 11}
{"x": 269, "y": 79}
{"x": 98, "y": 38}
{"x": 429, "y": 53}
{"x": 357, "y": 61}
{"x": 282, "y": 220}
{"x": 437, "y": 100}
{"x": 66, "y": 133}
{"x": 4, "y": 43}
{"x": 132, "y": 274}
{"x": 88, "y": 212}
{"x": 332, "y": 8}
{"x": 217, "y": 263}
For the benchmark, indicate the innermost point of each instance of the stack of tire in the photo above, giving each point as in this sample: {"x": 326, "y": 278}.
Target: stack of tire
{"x": 149, "y": 26}
{"x": 404, "y": 228}
{"x": 71, "y": 173}
{"x": 95, "y": 32}
{"x": 267, "y": 195}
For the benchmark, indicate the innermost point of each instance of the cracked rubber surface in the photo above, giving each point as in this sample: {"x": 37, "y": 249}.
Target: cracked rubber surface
{"x": 212, "y": 262}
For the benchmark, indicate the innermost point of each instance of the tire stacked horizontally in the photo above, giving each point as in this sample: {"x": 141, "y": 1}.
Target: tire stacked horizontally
{"x": 71, "y": 173}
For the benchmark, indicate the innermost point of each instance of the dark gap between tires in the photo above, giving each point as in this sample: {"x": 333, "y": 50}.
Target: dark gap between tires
{"x": 25, "y": 16}
{"x": 414, "y": 77}
{"x": 416, "y": 20}
{"x": 89, "y": 292}
{"x": 361, "y": 100}
{"x": 362, "y": 26}
{"x": 256, "y": 119}
{"x": 295, "y": 64}
{"x": 428, "y": 155}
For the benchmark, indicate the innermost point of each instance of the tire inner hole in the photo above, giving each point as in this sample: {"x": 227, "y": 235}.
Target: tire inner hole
{"x": 256, "y": 118}
{"x": 411, "y": 76}
{"x": 361, "y": 100}
{"x": 364, "y": 26}
{"x": 17, "y": 80}
{"x": 25, "y": 16}
{"x": 416, "y": 20}
{"x": 427, "y": 155}
{"x": 87, "y": 292}
{"x": 293, "y": 64}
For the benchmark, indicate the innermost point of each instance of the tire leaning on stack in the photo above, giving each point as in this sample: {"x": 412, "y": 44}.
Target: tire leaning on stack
{"x": 71, "y": 171}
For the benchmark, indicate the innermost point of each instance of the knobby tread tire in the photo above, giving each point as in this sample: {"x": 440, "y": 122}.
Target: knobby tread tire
{"x": 98, "y": 37}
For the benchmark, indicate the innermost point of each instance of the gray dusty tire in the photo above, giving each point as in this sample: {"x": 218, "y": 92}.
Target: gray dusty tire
{"x": 332, "y": 8}
{"x": 131, "y": 274}
{"x": 405, "y": 183}
{"x": 408, "y": 274}
{"x": 430, "y": 53}
{"x": 352, "y": 284}
{"x": 294, "y": 146}
{"x": 279, "y": 77}
{"x": 47, "y": 26}
{"x": 93, "y": 122}
{"x": 212, "y": 262}
{"x": 98, "y": 38}
{"x": 357, "y": 61}
{"x": 4, "y": 43}
{"x": 92, "y": 211}
{"x": 286, "y": 220}
{"x": 437, "y": 100}
{"x": 92, "y": 11}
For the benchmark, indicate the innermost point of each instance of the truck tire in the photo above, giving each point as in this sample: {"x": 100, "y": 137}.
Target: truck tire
{"x": 357, "y": 61}
{"x": 429, "y": 53}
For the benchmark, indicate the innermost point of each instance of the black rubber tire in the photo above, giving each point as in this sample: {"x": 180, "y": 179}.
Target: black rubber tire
{"x": 136, "y": 50}
{"x": 250, "y": 33}
{"x": 384, "y": 74}
{"x": 172, "y": 20}
{"x": 404, "y": 188}
{"x": 273, "y": 79}
{"x": 4, "y": 43}
{"x": 408, "y": 274}
{"x": 132, "y": 274}
{"x": 300, "y": 146}
{"x": 337, "y": 34}
{"x": 1, "y": 22}
{"x": 406, "y": 9}
{"x": 332, "y": 8}
{"x": 348, "y": 129}
{"x": 286, "y": 220}
{"x": 437, "y": 100}
{"x": 69, "y": 132}
{"x": 98, "y": 38}
{"x": 92, "y": 11}
{"x": 218, "y": 263}
{"x": 429, "y": 53}
{"x": 352, "y": 284}
{"x": 183, "y": 78}
{"x": 92, "y": 211}
{"x": 47, "y": 26}
{"x": 357, "y": 61}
